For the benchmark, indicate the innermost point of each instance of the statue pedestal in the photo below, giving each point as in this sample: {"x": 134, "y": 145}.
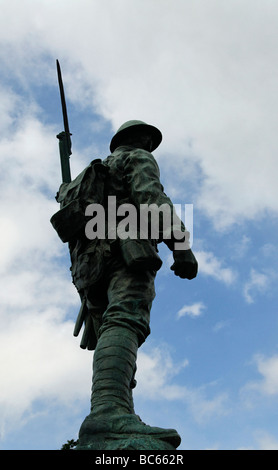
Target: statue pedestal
{"x": 132, "y": 442}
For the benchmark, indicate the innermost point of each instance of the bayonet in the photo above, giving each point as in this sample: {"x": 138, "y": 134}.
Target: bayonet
{"x": 64, "y": 137}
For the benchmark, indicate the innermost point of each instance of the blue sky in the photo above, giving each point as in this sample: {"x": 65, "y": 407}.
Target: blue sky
{"x": 204, "y": 73}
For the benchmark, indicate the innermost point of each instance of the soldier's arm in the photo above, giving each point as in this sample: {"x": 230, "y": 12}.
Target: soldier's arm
{"x": 142, "y": 177}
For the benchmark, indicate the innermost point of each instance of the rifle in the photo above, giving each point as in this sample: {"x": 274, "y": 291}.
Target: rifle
{"x": 64, "y": 137}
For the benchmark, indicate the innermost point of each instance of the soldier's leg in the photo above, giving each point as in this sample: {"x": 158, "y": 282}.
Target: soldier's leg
{"x": 130, "y": 296}
{"x": 125, "y": 325}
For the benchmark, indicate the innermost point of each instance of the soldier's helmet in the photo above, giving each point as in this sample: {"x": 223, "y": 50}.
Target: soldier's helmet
{"x": 129, "y": 128}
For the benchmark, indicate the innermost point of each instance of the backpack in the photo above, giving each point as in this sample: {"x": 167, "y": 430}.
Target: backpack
{"x": 74, "y": 197}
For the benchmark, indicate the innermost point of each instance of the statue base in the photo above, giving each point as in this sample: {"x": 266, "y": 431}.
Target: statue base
{"x": 132, "y": 442}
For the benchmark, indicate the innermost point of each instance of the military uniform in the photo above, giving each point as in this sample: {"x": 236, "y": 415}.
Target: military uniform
{"x": 116, "y": 294}
{"x": 115, "y": 280}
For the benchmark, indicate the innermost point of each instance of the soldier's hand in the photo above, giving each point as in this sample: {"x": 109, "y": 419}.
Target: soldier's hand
{"x": 185, "y": 264}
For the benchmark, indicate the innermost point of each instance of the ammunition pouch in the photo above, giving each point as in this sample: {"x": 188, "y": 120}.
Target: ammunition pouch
{"x": 69, "y": 220}
{"x": 140, "y": 254}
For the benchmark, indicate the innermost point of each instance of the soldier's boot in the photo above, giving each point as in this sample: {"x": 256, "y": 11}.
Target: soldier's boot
{"x": 112, "y": 414}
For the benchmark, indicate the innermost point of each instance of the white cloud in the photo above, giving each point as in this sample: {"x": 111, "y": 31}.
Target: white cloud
{"x": 220, "y": 325}
{"x": 211, "y": 266}
{"x": 208, "y": 264}
{"x": 199, "y": 71}
{"x": 257, "y": 282}
{"x": 268, "y": 368}
{"x": 240, "y": 247}
{"x": 266, "y": 386}
{"x": 39, "y": 361}
{"x": 193, "y": 310}
{"x": 266, "y": 441}
{"x": 29, "y": 173}
{"x": 156, "y": 373}
{"x": 156, "y": 369}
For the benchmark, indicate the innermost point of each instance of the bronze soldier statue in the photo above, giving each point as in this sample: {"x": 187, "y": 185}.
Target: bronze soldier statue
{"x": 115, "y": 276}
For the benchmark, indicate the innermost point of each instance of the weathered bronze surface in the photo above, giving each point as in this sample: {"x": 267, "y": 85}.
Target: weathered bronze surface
{"x": 115, "y": 281}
